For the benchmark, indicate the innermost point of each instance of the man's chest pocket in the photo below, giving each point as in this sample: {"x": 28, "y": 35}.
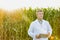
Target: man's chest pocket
{"x": 44, "y": 29}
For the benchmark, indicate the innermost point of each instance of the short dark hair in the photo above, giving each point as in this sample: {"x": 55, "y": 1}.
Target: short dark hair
{"x": 39, "y": 10}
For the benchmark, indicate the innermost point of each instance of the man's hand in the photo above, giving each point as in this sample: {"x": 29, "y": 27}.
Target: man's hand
{"x": 38, "y": 36}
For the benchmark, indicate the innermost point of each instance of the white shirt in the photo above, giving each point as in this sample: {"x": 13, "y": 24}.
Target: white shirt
{"x": 37, "y": 28}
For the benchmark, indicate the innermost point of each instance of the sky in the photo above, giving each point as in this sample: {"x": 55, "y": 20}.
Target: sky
{"x": 15, "y": 4}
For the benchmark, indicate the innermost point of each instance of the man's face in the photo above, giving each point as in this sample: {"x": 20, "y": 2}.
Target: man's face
{"x": 40, "y": 15}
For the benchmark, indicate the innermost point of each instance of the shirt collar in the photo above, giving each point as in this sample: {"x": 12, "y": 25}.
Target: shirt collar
{"x": 40, "y": 21}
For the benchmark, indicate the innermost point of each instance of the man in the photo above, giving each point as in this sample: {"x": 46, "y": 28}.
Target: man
{"x": 40, "y": 29}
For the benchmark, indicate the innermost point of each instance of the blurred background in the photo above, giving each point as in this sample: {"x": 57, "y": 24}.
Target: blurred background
{"x": 16, "y": 16}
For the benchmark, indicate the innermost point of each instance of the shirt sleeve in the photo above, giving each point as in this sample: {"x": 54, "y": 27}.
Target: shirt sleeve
{"x": 31, "y": 30}
{"x": 49, "y": 28}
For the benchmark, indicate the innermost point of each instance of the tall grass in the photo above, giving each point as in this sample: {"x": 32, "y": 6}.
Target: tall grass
{"x": 14, "y": 25}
